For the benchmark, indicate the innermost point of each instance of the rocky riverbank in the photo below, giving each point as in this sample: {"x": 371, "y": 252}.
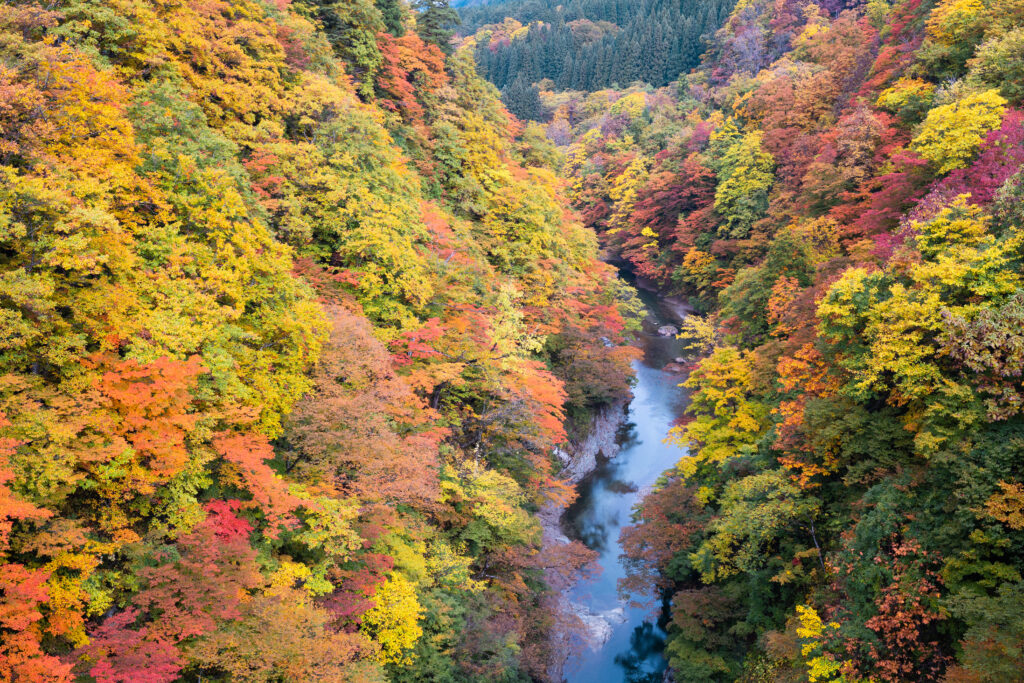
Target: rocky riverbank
{"x": 579, "y": 460}
{"x": 597, "y": 625}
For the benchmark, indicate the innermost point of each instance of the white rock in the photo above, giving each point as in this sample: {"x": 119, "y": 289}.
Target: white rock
{"x": 616, "y": 615}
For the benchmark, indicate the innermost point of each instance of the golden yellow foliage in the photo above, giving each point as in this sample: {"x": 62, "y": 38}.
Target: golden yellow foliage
{"x": 393, "y": 622}
{"x": 951, "y": 134}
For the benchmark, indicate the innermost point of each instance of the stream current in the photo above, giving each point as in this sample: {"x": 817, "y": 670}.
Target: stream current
{"x": 633, "y": 652}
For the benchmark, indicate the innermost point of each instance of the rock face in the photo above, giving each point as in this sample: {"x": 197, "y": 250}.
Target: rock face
{"x": 674, "y": 369}
{"x": 598, "y": 624}
{"x": 578, "y": 461}
{"x": 581, "y": 459}
{"x": 680, "y": 309}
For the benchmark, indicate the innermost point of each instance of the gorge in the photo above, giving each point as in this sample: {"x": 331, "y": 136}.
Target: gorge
{"x": 630, "y": 642}
{"x": 314, "y": 365}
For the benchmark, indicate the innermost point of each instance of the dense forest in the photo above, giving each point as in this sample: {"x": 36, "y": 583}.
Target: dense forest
{"x": 292, "y": 314}
{"x": 839, "y": 187}
{"x": 298, "y": 321}
{"x": 590, "y": 44}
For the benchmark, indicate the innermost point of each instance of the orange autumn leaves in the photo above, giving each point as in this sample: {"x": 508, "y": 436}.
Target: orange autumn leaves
{"x": 250, "y": 311}
{"x": 852, "y": 487}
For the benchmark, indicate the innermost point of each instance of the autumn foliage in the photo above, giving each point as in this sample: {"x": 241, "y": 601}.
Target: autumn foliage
{"x": 284, "y": 349}
{"x": 838, "y": 186}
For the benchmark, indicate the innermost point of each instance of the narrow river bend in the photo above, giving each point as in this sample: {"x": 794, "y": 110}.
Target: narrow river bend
{"x": 633, "y": 652}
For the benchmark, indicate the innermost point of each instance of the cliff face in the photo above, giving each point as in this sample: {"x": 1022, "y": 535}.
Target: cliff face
{"x": 579, "y": 460}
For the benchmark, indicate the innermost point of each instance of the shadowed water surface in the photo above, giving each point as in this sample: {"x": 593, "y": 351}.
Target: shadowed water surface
{"x": 607, "y": 496}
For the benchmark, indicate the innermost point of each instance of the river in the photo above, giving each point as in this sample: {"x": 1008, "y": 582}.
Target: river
{"x": 633, "y": 653}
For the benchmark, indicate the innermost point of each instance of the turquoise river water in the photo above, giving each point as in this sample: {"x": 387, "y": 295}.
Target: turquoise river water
{"x": 633, "y": 653}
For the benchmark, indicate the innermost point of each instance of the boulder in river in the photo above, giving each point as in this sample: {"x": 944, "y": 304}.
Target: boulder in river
{"x": 668, "y": 330}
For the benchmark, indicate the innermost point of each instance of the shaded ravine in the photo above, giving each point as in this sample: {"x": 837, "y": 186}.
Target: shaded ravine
{"x": 632, "y": 650}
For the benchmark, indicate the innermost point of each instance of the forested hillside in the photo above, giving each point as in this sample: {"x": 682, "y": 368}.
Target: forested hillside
{"x": 590, "y": 44}
{"x": 840, "y": 187}
{"x": 292, "y": 314}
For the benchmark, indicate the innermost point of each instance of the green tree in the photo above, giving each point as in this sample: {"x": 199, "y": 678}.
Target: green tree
{"x": 523, "y": 100}
{"x": 393, "y": 14}
{"x": 434, "y": 22}
{"x": 745, "y": 176}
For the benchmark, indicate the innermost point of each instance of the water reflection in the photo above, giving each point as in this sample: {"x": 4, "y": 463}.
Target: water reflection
{"x": 594, "y": 524}
{"x": 627, "y": 436}
{"x": 643, "y": 663}
{"x": 633, "y": 653}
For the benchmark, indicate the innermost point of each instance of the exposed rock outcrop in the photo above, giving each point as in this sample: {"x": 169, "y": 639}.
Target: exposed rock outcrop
{"x": 579, "y": 460}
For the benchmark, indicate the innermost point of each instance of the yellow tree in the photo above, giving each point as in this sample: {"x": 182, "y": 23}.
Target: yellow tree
{"x": 951, "y": 134}
{"x": 727, "y": 420}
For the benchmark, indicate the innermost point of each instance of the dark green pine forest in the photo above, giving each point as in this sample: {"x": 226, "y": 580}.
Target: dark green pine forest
{"x": 592, "y": 44}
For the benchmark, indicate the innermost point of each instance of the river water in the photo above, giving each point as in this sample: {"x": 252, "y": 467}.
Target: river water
{"x": 633, "y": 653}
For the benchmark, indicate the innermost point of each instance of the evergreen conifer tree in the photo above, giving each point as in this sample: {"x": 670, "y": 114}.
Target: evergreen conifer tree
{"x": 434, "y": 21}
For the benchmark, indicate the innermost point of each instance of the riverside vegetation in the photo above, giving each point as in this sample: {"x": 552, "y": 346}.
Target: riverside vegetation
{"x": 293, "y": 314}
{"x": 839, "y": 187}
